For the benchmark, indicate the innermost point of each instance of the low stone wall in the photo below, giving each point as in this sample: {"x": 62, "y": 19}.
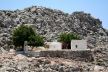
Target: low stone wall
{"x": 69, "y": 54}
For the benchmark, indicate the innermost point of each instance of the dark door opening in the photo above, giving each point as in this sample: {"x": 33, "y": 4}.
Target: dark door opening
{"x": 65, "y": 46}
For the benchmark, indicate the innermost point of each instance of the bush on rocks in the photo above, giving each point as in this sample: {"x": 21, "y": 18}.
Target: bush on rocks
{"x": 26, "y": 33}
{"x": 36, "y": 40}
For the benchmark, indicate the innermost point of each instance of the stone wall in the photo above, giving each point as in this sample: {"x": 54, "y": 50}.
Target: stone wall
{"x": 69, "y": 54}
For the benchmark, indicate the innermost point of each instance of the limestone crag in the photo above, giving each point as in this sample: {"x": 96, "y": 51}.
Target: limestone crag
{"x": 50, "y": 23}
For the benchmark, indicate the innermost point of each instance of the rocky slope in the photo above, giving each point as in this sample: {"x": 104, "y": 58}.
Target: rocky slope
{"x": 50, "y": 23}
{"x": 21, "y": 63}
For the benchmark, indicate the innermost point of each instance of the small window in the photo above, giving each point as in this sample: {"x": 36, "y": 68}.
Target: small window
{"x": 76, "y": 46}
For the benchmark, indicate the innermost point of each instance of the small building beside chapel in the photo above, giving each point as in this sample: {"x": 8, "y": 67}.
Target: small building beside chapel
{"x": 77, "y": 45}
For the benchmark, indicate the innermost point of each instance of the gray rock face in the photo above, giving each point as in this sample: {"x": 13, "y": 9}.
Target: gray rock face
{"x": 21, "y": 63}
{"x": 50, "y": 23}
{"x": 5, "y": 37}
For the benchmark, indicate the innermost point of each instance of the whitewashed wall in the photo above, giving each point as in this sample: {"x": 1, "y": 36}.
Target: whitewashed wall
{"x": 55, "y": 46}
{"x": 78, "y": 45}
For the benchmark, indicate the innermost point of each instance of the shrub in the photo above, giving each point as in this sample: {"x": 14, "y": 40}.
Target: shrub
{"x": 36, "y": 40}
{"x": 66, "y": 38}
{"x": 25, "y": 33}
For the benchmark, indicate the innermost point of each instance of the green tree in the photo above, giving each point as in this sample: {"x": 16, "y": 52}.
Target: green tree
{"x": 67, "y": 37}
{"x": 25, "y": 33}
{"x": 36, "y": 40}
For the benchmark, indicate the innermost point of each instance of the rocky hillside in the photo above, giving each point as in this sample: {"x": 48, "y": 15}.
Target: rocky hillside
{"x": 21, "y": 63}
{"x": 50, "y": 23}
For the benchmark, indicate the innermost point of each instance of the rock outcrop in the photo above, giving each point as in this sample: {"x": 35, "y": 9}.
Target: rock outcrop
{"x": 50, "y": 23}
{"x": 21, "y": 63}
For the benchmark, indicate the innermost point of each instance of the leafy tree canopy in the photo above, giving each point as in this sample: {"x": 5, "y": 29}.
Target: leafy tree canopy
{"x": 26, "y": 33}
{"x": 67, "y": 37}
